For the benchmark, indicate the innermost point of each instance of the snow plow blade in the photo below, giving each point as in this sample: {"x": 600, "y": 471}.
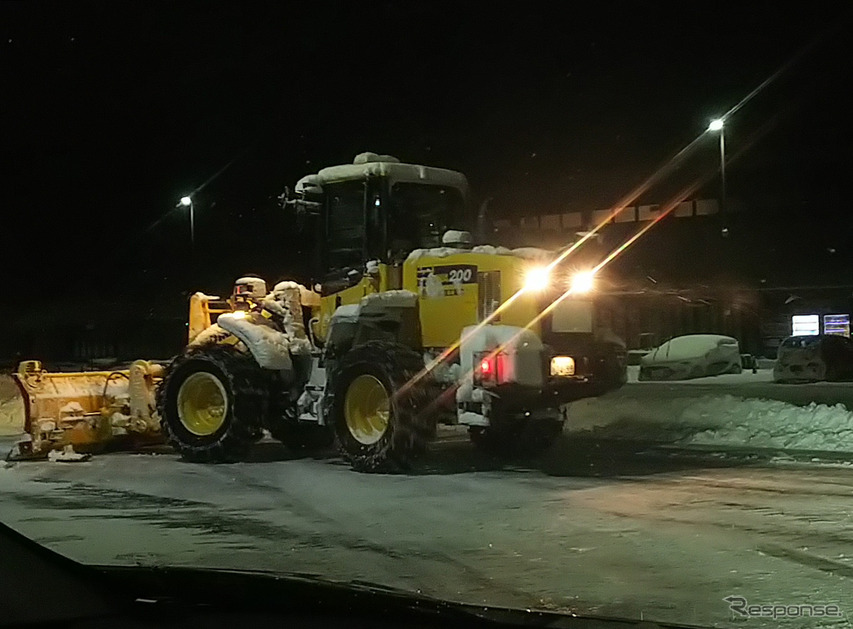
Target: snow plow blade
{"x": 89, "y": 411}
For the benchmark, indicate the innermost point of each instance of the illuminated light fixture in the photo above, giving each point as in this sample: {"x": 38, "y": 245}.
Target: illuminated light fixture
{"x": 537, "y": 279}
{"x": 562, "y": 366}
{"x": 583, "y": 282}
{"x": 486, "y": 373}
{"x": 716, "y": 124}
{"x": 186, "y": 201}
{"x": 805, "y": 325}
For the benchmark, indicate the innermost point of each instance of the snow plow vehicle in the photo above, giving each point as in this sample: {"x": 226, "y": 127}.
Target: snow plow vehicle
{"x": 410, "y": 326}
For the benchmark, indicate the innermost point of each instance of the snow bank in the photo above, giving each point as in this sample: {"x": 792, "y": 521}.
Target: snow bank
{"x": 773, "y": 424}
{"x": 724, "y": 420}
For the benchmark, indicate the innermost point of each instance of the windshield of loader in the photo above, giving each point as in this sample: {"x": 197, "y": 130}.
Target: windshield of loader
{"x": 345, "y": 224}
{"x": 421, "y": 213}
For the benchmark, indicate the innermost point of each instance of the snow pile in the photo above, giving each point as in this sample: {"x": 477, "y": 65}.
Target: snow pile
{"x": 724, "y": 420}
{"x": 772, "y": 424}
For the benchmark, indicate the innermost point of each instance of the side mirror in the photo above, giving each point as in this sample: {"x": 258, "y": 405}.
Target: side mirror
{"x": 306, "y": 201}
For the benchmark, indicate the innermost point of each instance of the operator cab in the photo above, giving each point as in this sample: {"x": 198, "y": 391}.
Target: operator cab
{"x": 379, "y": 209}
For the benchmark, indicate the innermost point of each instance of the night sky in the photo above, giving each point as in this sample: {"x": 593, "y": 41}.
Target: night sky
{"x": 112, "y": 111}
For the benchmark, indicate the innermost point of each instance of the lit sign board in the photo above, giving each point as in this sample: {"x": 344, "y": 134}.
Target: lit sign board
{"x": 837, "y": 324}
{"x": 805, "y": 325}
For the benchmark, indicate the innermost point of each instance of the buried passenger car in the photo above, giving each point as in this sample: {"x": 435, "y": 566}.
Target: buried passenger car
{"x": 692, "y": 356}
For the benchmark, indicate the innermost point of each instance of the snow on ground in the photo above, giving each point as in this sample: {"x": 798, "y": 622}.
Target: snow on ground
{"x": 723, "y": 420}
{"x": 665, "y": 544}
{"x": 774, "y": 424}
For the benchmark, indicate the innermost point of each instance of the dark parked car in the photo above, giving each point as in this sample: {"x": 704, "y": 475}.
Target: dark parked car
{"x": 814, "y": 358}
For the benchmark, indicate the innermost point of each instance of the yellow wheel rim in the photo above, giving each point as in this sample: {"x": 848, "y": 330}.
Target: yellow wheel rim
{"x": 366, "y": 409}
{"x": 202, "y": 404}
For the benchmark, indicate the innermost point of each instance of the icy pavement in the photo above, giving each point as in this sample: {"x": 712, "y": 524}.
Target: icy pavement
{"x": 650, "y": 506}
{"x": 595, "y": 527}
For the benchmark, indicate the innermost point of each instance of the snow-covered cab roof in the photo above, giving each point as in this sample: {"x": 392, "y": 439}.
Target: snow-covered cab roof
{"x": 372, "y": 165}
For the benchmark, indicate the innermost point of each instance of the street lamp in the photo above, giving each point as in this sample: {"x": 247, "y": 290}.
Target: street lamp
{"x": 718, "y": 124}
{"x": 187, "y": 201}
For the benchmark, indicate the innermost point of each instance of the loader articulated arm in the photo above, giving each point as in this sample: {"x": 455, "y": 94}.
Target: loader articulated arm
{"x": 204, "y": 310}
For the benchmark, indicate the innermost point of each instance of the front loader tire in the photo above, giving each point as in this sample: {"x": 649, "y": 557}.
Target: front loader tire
{"x": 211, "y": 402}
{"x": 382, "y": 419}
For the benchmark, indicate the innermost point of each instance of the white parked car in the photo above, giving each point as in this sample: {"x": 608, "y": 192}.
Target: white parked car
{"x": 692, "y": 356}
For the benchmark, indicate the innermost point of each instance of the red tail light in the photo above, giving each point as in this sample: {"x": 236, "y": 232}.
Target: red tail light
{"x": 486, "y": 369}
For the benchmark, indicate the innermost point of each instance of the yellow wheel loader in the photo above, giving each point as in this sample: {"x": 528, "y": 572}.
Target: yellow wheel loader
{"x": 410, "y": 325}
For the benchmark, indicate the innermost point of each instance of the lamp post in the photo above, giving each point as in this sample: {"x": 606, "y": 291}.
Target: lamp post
{"x": 718, "y": 124}
{"x": 187, "y": 201}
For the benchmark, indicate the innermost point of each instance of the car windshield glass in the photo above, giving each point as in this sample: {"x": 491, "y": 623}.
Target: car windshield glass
{"x": 801, "y": 342}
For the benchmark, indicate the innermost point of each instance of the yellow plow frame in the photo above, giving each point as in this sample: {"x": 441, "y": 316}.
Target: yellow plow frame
{"x": 89, "y": 410}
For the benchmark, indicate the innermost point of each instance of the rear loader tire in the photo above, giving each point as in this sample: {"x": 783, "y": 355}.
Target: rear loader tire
{"x": 381, "y": 419}
{"x": 211, "y": 403}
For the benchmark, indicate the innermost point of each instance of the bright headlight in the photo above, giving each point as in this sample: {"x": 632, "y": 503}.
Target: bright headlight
{"x": 537, "y": 279}
{"x": 583, "y": 282}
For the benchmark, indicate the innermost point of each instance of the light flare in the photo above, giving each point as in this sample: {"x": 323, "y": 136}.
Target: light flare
{"x": 618, "y": 208}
